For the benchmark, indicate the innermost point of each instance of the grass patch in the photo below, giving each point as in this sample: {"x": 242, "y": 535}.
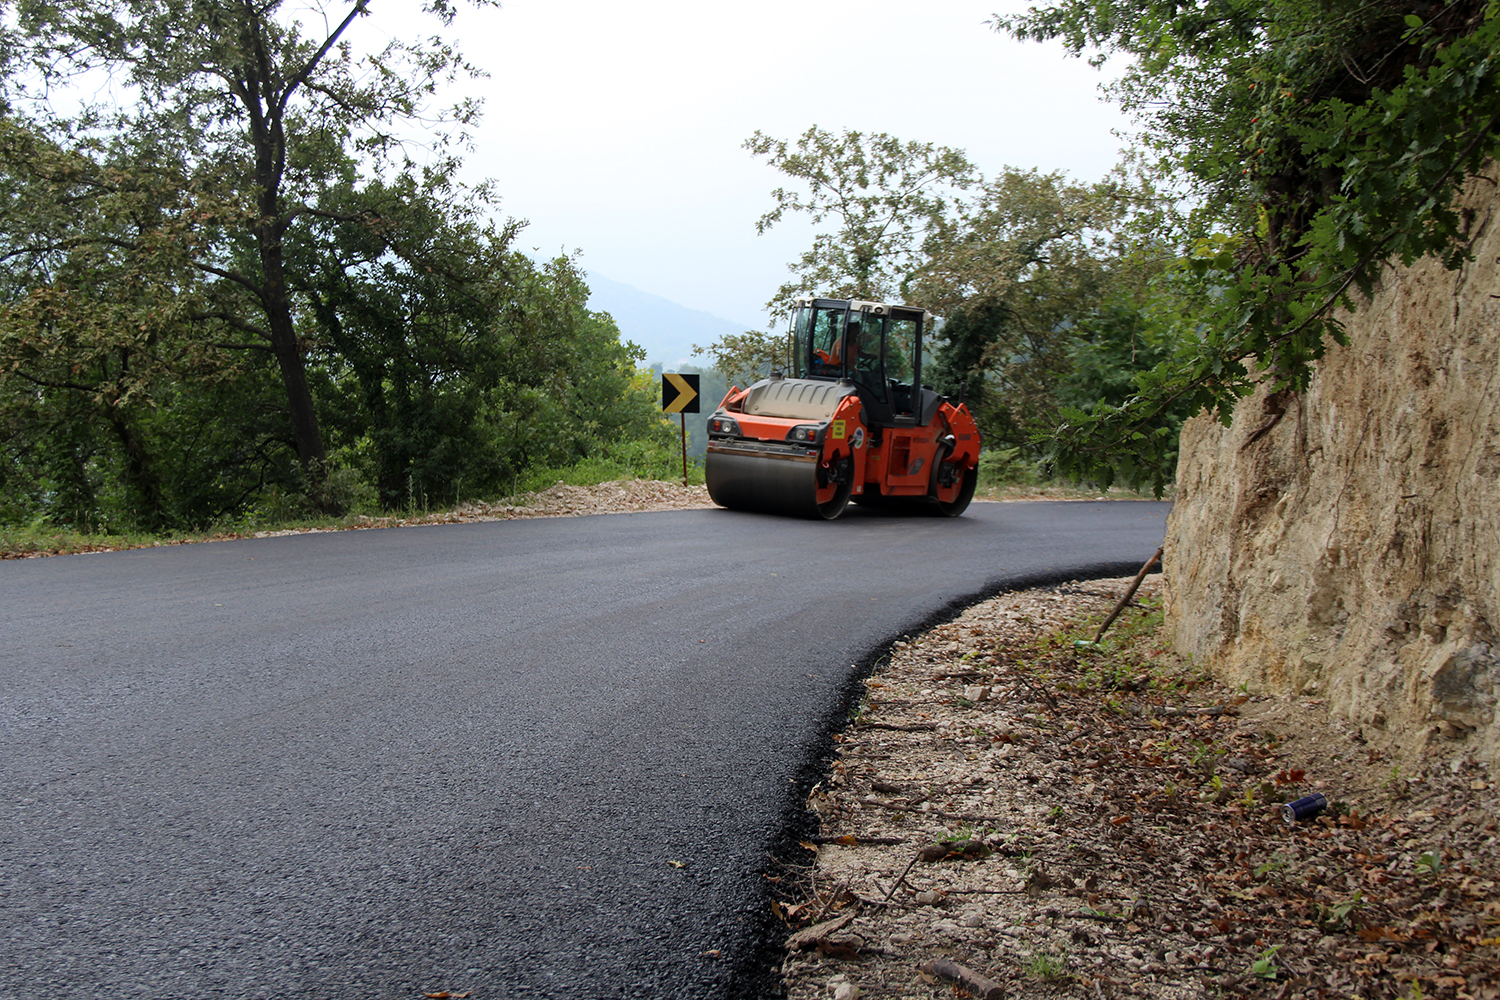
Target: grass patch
{"x": 288, "y": 513}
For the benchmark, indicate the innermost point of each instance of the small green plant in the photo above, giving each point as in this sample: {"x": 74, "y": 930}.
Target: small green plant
{"x": 1429, "y": 863}
{"x": 1275, "y": 863}
{"x": 1047, "y": 966}
{"x": 1264, "y": 967}
{"x": 1204, "y": 754}
{"x": 1336, "y": 917}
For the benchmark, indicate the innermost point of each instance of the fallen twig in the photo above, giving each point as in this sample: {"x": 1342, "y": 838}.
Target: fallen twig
{"x": 909, "y": 865}
{"x": 809, "y": 937}
{"x": 1042, "y": 692}
{"x": 981, "y": 986}
{"x": 1210, "y": 710}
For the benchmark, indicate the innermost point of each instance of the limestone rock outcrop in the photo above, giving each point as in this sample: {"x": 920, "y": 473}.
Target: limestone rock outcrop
{"x": 1345, "y": 543}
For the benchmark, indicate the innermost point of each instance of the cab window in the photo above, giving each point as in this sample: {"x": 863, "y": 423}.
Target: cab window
{"x": 900, "y": 350}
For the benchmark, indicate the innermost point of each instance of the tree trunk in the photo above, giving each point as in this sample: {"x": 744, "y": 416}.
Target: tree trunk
{"x": 289, "y": 356}
{"x": 140, "y": 474}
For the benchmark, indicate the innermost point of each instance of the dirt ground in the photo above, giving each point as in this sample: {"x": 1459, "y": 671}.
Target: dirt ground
{"x": 559, "y": 500}
{"x": 1012, "y": 814}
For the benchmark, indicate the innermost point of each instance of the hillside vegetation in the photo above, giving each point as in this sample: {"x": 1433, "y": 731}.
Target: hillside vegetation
{"x": 229, "y": 295}
{"x": 238, "y": 299}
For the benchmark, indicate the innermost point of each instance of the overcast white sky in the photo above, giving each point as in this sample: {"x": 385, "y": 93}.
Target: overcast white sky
{"x": 616, "y": 127}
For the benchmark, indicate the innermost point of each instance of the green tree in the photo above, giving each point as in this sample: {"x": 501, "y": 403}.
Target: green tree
{"x": 884, "y": 198}
{"x": 1021, "y": 271}
{"x": 250, "y": 112}
{"x": 453, "y": 360}
{"x": 743, "y": 358}
{"x": 1321, "y": 140}
{"x": 99, "y": 313}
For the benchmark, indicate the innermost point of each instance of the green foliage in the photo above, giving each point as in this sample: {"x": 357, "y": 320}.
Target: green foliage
{"x": 1050, "y": 291}
{"x": 744, "y": 358}
{"x": 247, "y": 118}
{"x": 885, "y": 197}
{"x": 1045, "y": 283}
{"x": 1335, "y": 917}
{"x": 237, "y": 299}
{"x": 1264, "y": 966}
{"x": 1047, "y": 966}
{"x": 623, "y": 460}
{"x": 1007, "y": 467}
{"x": 1321, "y": 140}
{"x": 1429, "y": 863}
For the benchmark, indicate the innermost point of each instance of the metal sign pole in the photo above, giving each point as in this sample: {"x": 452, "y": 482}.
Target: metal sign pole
{"x": 683, "y": 418}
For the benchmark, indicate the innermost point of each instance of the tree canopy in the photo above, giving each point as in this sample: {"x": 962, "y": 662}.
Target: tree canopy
{"x": 225, "y": 276}
{"x": 1043, "y": 281}
{"x": 1289, "y": 150}
{"x": 884, "y": 196}
{"x": 1320, "y": 141}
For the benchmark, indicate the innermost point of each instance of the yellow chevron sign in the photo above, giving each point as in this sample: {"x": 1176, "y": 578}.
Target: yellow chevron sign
{"x": 679, "y": 393}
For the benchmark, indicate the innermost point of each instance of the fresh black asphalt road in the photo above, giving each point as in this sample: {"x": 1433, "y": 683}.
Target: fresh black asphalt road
{"x": 540, "y": 758}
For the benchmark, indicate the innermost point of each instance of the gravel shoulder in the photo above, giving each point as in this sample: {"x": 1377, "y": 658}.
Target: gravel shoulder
{"x": 1010, "y": 814}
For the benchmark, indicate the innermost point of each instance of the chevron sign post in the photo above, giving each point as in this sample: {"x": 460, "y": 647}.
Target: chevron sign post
{"x": 679, "y": 395}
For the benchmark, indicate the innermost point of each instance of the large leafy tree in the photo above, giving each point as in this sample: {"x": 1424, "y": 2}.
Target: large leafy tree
{"x": 882, "y": 198}
{"x": 101, "y": 309}
{"x": 1022, "y": 271}
{"x": 251, "y": 108}
{"x": 454, "y": 360}
{"x": 1321, "y": 140}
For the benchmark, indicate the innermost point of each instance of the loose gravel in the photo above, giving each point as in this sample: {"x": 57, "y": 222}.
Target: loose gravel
{"x": 1013, "y": 813}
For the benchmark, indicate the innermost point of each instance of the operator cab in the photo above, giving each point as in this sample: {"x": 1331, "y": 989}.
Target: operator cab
{"x": 877, "y": 347}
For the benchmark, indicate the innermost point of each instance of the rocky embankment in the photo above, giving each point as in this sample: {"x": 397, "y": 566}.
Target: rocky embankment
{"x": 1345, "y": 543}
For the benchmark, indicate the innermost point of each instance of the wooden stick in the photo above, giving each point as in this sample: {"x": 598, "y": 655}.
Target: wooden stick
{"x": 1129, "y": 593}
{"x": 980, "y": 986}
{"x": 905, "y": 873}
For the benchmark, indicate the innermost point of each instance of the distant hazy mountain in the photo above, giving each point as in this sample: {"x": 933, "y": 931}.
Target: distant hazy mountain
{"x": 665, "y": 329}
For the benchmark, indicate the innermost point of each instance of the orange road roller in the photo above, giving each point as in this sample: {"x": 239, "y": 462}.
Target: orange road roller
{"x": 848, "y": 420}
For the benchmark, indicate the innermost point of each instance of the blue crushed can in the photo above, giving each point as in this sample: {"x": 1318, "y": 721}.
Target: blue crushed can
{"x": 1304, "y": 808}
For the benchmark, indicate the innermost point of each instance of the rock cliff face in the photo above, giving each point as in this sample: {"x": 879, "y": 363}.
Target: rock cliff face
{"x": 1346, "y": 543}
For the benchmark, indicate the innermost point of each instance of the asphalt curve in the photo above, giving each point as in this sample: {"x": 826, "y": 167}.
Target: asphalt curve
{"x": 541, "y": 758}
